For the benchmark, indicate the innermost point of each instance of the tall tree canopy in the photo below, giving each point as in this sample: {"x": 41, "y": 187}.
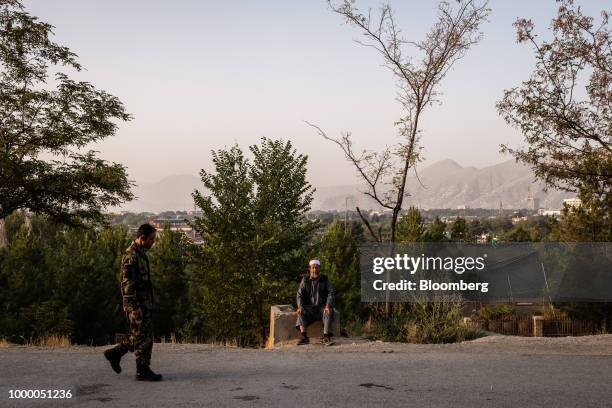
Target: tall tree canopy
{"x": 255, "y": 234}
{"x": 46, "y": 121}
{"x": 564, "y": 110}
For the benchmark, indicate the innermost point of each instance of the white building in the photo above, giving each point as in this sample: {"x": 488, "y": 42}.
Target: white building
{"x": 551, "y": 213}
{"x": 573, "y": 202}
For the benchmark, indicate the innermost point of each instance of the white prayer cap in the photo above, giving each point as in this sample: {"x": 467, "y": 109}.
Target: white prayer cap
{"x": 314, "y": 262}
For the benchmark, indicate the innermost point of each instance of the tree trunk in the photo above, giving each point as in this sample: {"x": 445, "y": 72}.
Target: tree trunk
{"x": 3, "y": 237}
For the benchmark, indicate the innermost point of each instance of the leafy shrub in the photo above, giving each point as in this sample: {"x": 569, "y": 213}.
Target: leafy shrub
{"x": 439, "y": 321}
{"x": 392, "y": 328}
{"x": 421, "y": 321}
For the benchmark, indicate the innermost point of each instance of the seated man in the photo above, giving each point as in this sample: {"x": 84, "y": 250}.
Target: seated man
{"x": 315, "y": 301}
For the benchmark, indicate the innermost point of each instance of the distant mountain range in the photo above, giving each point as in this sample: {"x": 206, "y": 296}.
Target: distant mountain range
{"x": 170, "y": 193}
{"x": 444, "y": 184}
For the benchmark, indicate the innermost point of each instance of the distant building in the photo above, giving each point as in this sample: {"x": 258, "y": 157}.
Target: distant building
{"x": 379, "y": 213}
{"x": 573, "y": 202}
{"x": 533, "y": 203}
{"x": 177, "y": 224}
{"x": 549, "y": 212}
{"x": 516, "y": 220}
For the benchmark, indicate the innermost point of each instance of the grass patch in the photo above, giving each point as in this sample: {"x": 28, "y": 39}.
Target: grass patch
{"x": 52, "y": 340}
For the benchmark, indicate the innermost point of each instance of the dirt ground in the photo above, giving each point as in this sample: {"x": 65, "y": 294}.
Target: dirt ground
{"x": 586, "y": 345}
{"x": 490, "y": 371}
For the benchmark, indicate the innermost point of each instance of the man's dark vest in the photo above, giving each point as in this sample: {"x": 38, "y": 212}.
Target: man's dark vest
{"x": 322, "y": 287}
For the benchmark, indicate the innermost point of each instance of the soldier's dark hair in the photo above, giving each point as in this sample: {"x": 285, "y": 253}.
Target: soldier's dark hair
{"x": 145, "y": 230}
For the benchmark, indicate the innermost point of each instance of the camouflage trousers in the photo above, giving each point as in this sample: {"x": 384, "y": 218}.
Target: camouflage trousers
{"x": 140, "y": 341}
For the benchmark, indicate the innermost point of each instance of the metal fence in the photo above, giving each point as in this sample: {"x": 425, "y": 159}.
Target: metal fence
{"x": 523, "y": 326}
{"x": 563, "y": 327}
{"x": 515, "y": 326}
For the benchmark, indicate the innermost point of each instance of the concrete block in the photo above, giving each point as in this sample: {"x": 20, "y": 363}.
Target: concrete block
{"x": 282, "y": 326}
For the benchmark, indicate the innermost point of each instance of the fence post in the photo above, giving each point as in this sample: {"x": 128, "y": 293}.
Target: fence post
{"x": 538, "y": 326}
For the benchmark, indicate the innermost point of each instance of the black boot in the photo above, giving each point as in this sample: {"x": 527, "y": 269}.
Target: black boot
{"x": 303, "y": 339}
{"x": 113, "y": 355}
{"x": 144, "y": 373}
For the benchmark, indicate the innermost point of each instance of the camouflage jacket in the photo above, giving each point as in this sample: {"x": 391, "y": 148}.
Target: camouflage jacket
{"x": 136, "y": 286}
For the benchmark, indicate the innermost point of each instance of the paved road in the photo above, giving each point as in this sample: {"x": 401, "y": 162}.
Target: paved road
{"x": 487, "y": 373}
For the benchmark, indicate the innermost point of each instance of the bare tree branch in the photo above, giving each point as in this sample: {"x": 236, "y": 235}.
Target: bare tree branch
{"x": 456, "y": 30}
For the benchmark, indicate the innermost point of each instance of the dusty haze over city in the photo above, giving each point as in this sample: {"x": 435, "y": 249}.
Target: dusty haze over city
{"x": 202, "y": 75}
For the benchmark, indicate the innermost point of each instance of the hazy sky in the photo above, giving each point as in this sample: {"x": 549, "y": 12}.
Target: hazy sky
{"x": 201, "y": 75}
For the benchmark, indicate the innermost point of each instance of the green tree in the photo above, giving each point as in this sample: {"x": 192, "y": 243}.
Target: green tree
{"x": 45, "y": 124}
{"x": 283, "y": 197}
{"x": 223, "y": 263}
{"x": 436, "y": 231}
{"x": 477, "y": 227}
{"x": 583, "y": 224}
{"x": 459, "y": 231}
{"x": 169, "y": 262}
{"x": 62, "y": 281}
{"x": 340, "y": 259}
{"x": 255, "y": 236}
{"x": 411, "y": 228}
{"x": 25, "y": 289}
{"x": 84, "y": 265}
{"x": 566, "y": 128}
{"x": 518, "y": 234}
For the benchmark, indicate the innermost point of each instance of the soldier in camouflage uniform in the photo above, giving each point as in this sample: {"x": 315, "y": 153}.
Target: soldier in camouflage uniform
{"x": 137, "y": 292}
